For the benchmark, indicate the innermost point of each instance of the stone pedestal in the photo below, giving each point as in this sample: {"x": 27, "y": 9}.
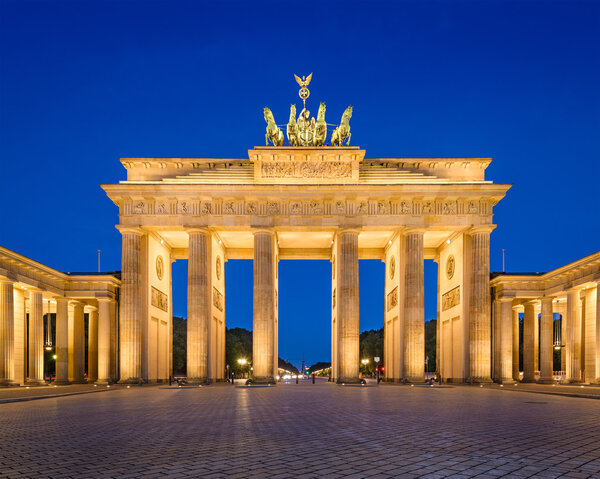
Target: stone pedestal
{"x": 263, "y": 335}
{"x": 414, "y": 313}
{"x": 199, "y": 306}
{"x": 36, "y": 339}
{"x": 62, "y": 341}
{"x": 546, "y": 351}
{"x": 348, "y": 307}
{"x": 528, "y": 340}
{"x": 130, "y": 320}
{"x": 103, "y": 341}
{"x": 7, "y": 333}
{"x": 479, "y": 307}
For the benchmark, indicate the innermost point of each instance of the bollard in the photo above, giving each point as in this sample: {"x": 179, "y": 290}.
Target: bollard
{"x": 296, "y": 379}
{"x": 313, "y": 378}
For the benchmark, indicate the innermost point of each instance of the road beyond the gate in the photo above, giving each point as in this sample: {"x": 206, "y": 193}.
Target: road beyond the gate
{"x": 301, "y": 431}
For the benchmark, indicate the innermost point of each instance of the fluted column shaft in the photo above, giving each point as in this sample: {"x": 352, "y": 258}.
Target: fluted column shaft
{"x": 479, "y": 308}
{"x": 573, "y": 344}
{"x": 546, "y": 351}
{"x": 348, "y": 307}
{"x": 199, "y": 305}
{"x": 7, "y": 333}
{"x": 62, "y": 341}
{"x": 36, "y": 338}
{"x": 506, "y": 341}
{"x": 528, "y": 339}
{"x": 515, "y": 343}
{"x": 92, "y": 346}
{"x": 103, "y": 341}
{"x": 263, "y": 334}
{"x": 77, "y": 352}
{"x": 597, "y": 333}
{"x": 130, "y": 317}
{"x": 414, "y": 312}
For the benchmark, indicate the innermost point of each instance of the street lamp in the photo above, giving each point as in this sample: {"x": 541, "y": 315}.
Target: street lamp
{"x": 242, "y": 362}
{"x": 365, "y": 362}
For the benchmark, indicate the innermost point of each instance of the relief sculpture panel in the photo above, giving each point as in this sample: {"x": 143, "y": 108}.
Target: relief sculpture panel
{"x": 451, "y": 298}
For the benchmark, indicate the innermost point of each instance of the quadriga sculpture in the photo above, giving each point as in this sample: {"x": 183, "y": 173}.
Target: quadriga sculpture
{"x": 292, "y": 128}
{"x": 343, "y": 131}
{"x": 321, "y": 127}
{"x": 274, "y": 133}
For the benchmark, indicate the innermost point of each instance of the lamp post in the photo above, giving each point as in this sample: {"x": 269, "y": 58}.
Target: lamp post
{"x": 242, "y": 362}
{"x": 376, "y": 359}
{"x": 365, "y": 362}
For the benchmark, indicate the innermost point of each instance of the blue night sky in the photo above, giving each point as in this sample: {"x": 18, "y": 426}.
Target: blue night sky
{"x": 84, "y": 83}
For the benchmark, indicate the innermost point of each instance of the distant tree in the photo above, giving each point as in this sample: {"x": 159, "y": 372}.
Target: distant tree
{"x": 371, "y": 345}
{"x": 430, "y": 346}
{"x": 179, "y": 345}
{"x": 238, "y": 345}
{"x": 321, "y": 365}
{"x": 288, "y": 366}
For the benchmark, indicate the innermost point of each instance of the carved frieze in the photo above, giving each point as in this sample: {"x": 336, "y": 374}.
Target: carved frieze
{"x": 217, "y": 299}
{"x": 184, "y": 208}
{"x": 228, "y": 208}
{"x": 159, "y": 299}
{"x": 295, "y": 208}
{"x": 306, "y": 169}
{"x": 392, "y": 299}
{"x": 161, "y": 208}
{"x": 451, "y": 298}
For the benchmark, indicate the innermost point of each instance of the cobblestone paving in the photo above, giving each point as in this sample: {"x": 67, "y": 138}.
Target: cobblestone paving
{"x": 301, "y": 431}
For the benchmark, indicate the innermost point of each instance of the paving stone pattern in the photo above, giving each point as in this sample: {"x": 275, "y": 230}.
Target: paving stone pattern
{"x": 301, "y": 431}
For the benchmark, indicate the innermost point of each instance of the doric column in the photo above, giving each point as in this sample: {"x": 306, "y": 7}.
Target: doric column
{"x": 62, "y": 341}
{"x": 104, "y": 306}
{"x": 414, "y": 313}
{"x": 536, "y": 338}
{"x": 130, "y": 318}
{"x": 528, "y": 340}
{"x": 597, "y": 333}
{"x": 546, "y": 350}
{"x": 77, "y": 344}
{"x": 263, "y": 334}
{"x": 20, "y": 343}
{"x": 515, "y": 342}
{"x": 7, "y": 333}
{"x": 199, "y": 305}
{"x": 92, "y": 345}
{"x": 573, "y": 343}
{"x": 505, "y": 347}
{"x": 36, "y": 338}
{"x": 479, "y": 306}
{"x": 348, "y": 306}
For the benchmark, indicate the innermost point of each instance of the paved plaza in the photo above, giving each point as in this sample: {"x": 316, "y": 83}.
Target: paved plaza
{"x": 302, "y": 430}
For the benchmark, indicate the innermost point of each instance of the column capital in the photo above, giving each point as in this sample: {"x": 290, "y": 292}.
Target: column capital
{"x": 197, "y": 229}
{"x": 88, "y": 308}
{"x": 505, "y": 299}
{"x": 481, "y": 229}
{"x": 415, "y": 230}
{"x": 74, "y": 302}
{"x": 547, "y": 299}
{"x": 104, "y": 300}
{"x": 4, "y": 280}
{"x": 136, "y": 230}
{"x": 60, "y": 299}
{"x": 259, "y": 230}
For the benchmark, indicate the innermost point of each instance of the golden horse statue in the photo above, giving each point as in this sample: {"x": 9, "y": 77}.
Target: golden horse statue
{"x": 274, "y": 133}
{"x": 292, "y": 128}
{"x": 320, "y": 127}
{"x": 342, "y": 132}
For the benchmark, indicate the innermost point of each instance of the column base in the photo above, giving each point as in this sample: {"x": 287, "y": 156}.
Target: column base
{"x": 61, "y": 382}
{"x": 485, "y": 380}
{"x": 348, "y": 381}
{"x": 198, "y": 381}
{"x": 103, "y": 382}
{"x": 416, "y": 379}
{"x": 92, "y": 380}
{"x": 7, "y": 383}
{"x": 79, "y": 381}
{"x": 36, "y": 382}
{"x": 546, "y": 381}
{"x": 131, "y": 381}
{"x": 263, "y": 380}
{"x": 505, "y": 381}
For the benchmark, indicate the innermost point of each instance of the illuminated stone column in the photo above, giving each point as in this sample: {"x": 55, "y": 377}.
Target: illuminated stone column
{"x": 62, "y": 341}
{"x": 263, "y": 334}
{"x": 573, "y": 342}
{"x": 414, "y": 313}
{"x": 536, "y": 338}
{"x": 77, "y": 344}
{"x": 597, "y": 333}
{"x": 36, "y": 338}
{"x": 505, "y": 347}
{"x": 92, "y": 345}
{"x": 348, "y": 306}
{"x": 104, "y": 306}
{"x": 199, "y": 305}
{"x": 130, "y": 317}
{"x": 7, "y": 333}
{"x": 515, "y": 341}
{"x": 528, "y": 339}
{"x": 546, "y": 350}
{"x": 479, "y": 306}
